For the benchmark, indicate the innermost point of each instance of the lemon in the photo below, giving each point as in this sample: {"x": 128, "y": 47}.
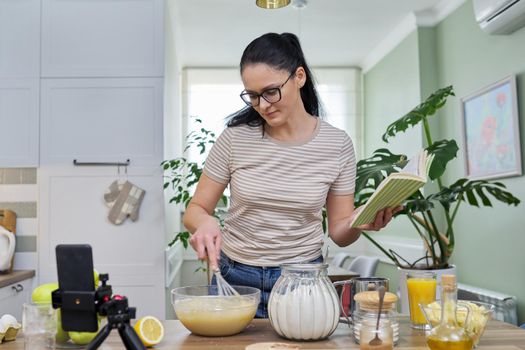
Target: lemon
{"x": 150, "y": 330}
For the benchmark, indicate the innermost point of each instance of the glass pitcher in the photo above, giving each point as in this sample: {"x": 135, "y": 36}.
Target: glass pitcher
{"x": 303, "y": 304}
{"x": 471, "y": 315}
{"x": 356, "y": 285}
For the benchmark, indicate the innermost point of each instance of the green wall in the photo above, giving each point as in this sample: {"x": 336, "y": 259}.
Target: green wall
{"x": 391, "y": 88}
{"x": 490, "y": 242}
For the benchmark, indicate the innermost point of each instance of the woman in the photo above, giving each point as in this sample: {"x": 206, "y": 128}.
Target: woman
{"x": 283, "y": 164}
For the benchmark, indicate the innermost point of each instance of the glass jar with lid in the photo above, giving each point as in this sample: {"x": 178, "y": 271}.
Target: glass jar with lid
{"x": 303, "y": 304}
{"x": 370, "y": 330}
{"x": 366, "y": 309}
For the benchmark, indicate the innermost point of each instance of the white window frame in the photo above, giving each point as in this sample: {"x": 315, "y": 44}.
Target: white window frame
{"x": 340, "y": 90}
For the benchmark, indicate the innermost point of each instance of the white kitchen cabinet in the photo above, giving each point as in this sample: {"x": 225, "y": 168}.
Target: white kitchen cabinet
{"x": 19, "y": 39}
{"x": 13, "y": 296}
{"x": 102, "y": 120}
{"x": 19, "y": 109}
{"x": 101, "y": 101}
{"x": 72, "y": 211}
{"x": 86, "y": 38}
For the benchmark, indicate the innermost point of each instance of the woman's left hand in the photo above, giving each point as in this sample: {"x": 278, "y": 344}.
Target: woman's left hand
{"x": 383, "y": 217}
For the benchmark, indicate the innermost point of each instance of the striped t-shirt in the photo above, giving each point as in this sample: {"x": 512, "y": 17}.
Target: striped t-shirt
{"x": 278, "y": 190}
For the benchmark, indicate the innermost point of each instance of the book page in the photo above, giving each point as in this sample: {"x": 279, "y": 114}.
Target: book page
{"x": 414, "y": 164}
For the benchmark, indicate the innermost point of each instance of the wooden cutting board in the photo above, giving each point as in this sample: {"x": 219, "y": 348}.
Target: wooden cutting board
{"x": 8, "y": 221}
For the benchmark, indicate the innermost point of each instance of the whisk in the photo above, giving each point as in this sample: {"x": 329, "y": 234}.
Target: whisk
{"x": 223, "y": 287}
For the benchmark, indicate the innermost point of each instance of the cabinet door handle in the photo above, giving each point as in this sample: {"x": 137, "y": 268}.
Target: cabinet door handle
{"x": 18, "y": 288}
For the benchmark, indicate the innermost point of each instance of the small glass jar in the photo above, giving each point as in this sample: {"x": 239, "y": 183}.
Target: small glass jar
{"x": 388, "y": 314}
{"x": 369, "y": 331}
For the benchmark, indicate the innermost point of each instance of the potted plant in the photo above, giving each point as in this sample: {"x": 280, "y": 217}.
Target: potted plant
{"x": 421, "y": 208}
{"x": 181, "y": 175}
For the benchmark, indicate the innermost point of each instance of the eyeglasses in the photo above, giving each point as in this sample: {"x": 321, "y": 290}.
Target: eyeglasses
{"x": 271, "y": 95}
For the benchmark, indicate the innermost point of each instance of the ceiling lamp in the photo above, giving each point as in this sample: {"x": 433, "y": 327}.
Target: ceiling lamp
{"x": 272, "y": 4}
{"x": 299, "y": 4}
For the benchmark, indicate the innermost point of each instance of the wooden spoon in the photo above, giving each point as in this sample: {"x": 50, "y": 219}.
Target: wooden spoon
{"x": 376, "y": 341}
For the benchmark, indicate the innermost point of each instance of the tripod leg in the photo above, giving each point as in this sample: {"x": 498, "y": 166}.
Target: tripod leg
{"x": 99, "y": 338}
{"x": 130, "y": 338}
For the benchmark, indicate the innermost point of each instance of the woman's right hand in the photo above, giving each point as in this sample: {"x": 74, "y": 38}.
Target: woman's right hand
{"x": 206, "y": 241}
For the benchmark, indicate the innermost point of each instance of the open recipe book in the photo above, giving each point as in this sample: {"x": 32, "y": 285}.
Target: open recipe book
{"x": 395, "y": 188}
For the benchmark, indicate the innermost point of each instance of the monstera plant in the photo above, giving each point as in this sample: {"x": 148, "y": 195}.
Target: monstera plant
{"x": 421, "y": 208}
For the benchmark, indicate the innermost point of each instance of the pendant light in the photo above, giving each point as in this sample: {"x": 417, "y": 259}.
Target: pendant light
{"x": 272, "y": 4}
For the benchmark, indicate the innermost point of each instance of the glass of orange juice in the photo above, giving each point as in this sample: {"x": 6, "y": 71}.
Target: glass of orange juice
{"x": 421, "y": 287}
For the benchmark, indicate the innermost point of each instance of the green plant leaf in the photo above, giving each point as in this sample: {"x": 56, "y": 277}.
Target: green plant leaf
{"x": 484, "y": 199}
{"x": 444, "y": 151}
{"x": 472, "y": 190}
{"x": 415, "y": 116}
{"x": 184, "y": 175}
{"x": 418, "y": 205}
{"x": 184, "y": 237}
{"x": 371, "y": 171}
{"x": 324, "y": 222}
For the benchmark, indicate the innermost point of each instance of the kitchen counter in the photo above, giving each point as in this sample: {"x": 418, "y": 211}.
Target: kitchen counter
{"x": 15, "y": 276}
{"x": 497, "y": 336}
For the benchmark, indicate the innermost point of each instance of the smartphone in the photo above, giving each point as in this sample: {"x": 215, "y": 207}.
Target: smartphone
{"x": 77, "y": 286}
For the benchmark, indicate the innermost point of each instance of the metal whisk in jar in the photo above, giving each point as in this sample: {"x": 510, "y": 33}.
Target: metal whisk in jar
{"x": 367, "y": 306}
{"x": 303, "y": 303}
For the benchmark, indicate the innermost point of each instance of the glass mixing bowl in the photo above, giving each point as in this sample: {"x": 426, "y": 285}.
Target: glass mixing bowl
{"x": 479, "y": 314}
{"x": 202, "y": 311}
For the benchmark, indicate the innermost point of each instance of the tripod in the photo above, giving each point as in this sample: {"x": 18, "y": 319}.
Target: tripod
{"x": 103, "y": 303}
{"x": 119, "y": 315}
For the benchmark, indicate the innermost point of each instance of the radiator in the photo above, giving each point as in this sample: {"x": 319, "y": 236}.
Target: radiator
{"x": 506, "y": 305}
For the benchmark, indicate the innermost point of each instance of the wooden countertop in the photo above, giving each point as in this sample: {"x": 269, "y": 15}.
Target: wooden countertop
{"x": 15, "y": 276}
{"x": 497, "y": 336}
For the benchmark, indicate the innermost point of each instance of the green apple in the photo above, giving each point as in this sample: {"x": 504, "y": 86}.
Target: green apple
{"x": 96, "y": 277}
{"x": 42, "y": 293}
{"x": 82, "y": 338}
{"x": 62, "y": 335}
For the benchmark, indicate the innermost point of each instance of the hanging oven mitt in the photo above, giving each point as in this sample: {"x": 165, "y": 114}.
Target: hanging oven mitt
{"x": 124, "y": 200}
{"x": 112, "y": 192}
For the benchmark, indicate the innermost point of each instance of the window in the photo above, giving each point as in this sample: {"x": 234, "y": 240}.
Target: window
{"x": 340, "y": 93}
{"x": 213, "y": 93}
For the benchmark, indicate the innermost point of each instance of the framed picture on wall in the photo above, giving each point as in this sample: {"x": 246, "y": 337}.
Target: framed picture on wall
{"x": 491, "y": 131}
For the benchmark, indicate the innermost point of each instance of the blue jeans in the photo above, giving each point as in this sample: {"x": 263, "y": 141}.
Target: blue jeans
{"x": 262, "y": 278}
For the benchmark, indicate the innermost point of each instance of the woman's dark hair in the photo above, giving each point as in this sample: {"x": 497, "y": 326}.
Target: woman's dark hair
{"x": 282, "y": 52}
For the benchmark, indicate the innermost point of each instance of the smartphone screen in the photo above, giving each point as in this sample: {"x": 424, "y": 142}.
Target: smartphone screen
{"x": 75, "y": 274}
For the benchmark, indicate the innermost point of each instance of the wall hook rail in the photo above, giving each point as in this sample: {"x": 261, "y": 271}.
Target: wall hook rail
{"x": 118, "y": 164}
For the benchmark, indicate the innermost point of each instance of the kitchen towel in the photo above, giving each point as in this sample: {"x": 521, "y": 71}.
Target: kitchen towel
{"x": 124, "y": 199}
